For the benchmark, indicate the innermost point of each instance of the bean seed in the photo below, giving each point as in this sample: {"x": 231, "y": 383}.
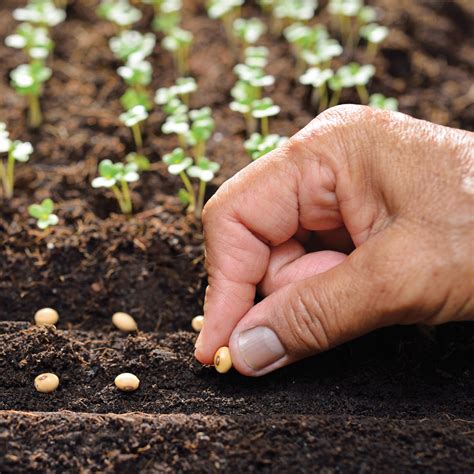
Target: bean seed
{"x": 197, "y": 323}
{"x": 46, "y": 316}
{"x": 222, "y": 360}
{"x": 124, "y": 322}
{"x": 127, "y": 382}
{"x": 46, "y": 383}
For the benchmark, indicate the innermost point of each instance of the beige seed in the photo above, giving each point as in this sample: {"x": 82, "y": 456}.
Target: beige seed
{"x": 124, "y": 322}
{"x": 127, "y": 382}
{"x": 197, "y": 323}
{"x": 222, "y": 360}
{"x": 46, "y": 383}
{"x": 46, "y": 316}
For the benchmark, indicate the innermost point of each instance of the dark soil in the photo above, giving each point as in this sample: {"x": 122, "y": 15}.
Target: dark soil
{"x": 397, "y": 400}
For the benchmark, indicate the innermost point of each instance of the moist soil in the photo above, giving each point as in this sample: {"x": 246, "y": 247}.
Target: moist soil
{"x": 401, "y": 399}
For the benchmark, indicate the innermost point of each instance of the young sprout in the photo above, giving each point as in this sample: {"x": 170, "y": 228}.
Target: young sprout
{"x": 263, "y": 109}
{"x": 248, "y": 31}
{"x": 347, "y": 12}
{"x": 17, "y": 151}
{"x": 34, "y": 41}
{"x": 177, "y": 123}
{"x": 116, "y": 176}
{"x": 323, "y": 53}
{"x": 336, "y": 84}
{"x": 40, "y": 13}
{"x": 43, "y": 212}
{"x": 119, "y": 12}
{"x": 205, "y": 171}
{"x": 201, "y": 130}
{"x": 258, "y": 145}
{"x": 132, "y": 45}
{"x": 168, "y": 15}
{"x": 243, "y": 93}
{"x": 27, "y": 80}
{"x": 225, "y": 10}
{"x": 379, "y": 101}
{"x": 318, "y": 78}
{"x": 178, "y": 41}
{"x": 374, "y": 34}
{"x": 184, "y": 87}
{"x": 286, "y": 12}
{"x": 256, "y": 56}
{"x": 355, "y": 75}
{"x": 133, "y": 118}
{"x": 140, "y": 161}
{"x": 178, "y": 163}
{"x": 255, "y": 77}
{"x": 137, "y": 75}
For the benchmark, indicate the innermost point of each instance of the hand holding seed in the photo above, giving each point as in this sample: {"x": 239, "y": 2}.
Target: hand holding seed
{"x": 363, "y": 219}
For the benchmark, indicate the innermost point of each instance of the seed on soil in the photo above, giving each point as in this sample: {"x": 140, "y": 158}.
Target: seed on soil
{"x": 124, "y": 322}
{"x": 127, "y": 382}
{"x": 222, "y": 360}
{"x": 197, "y": 323}
{"x": 46, "y": 383}
{"x": 46, "y": 316}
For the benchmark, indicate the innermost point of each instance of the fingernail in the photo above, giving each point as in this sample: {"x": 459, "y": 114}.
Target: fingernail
{"x": 260, "y": 347}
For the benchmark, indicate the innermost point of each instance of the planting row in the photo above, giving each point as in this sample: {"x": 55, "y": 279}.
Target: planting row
{"x": 314, "y": 53}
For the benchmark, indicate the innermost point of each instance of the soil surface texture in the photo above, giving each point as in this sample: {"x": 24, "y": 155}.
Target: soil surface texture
{"x": 398, "y": 400}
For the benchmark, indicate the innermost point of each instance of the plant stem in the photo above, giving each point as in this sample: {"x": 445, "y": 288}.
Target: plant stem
{"x": 372, "y": 49}
{"x": 35, "y": 116}
{"x": 10, "y": 177}
{"x": 200, "y": 203}
{"x": 249, "y": 123}
{"x": 182, "y": 141}
{"x": 190, "y": 190}
{"x": 3, "y": 176}
{"x": 335, "y": 98}
{"x": 127, "y": 200}
{"x": 363, "y": 94}
{"x": 119, "y": 197}
{"x": 323, "y": 98}
{"x": 199, "y": 149}
{"x": 265, "y": 126}
{"x": 137, "y": 135}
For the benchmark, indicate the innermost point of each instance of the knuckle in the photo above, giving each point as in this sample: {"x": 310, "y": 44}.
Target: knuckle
{"x": 309, "y": 327}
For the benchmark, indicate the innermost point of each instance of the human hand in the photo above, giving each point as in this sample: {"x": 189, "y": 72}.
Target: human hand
{"x": 399, "y": 189}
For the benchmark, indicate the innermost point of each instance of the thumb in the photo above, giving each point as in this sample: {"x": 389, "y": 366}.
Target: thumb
{"x": 320, "y": 312}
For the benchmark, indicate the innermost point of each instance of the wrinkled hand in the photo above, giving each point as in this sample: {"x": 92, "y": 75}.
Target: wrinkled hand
{"x": 393, "y": 192}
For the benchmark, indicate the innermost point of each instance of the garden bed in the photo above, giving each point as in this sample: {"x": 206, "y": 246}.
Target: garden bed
{"x": 398, "y": 398}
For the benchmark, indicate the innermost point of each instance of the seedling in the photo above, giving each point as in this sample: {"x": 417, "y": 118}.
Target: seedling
{"x": 323, "y": 54}
{"x": 46, "y": 383}
{"x": 258, "y": 145}
{"x": 201, "y": 130}
{"x": 27, "y": 80}
{"x": 347, "y": 13}
{"x": 167, "y": 16}
{"x": 355, "y": 75}
{"x": 178, "y": 41}
{"x": 318, "y": 78}
{"x": 34, "y": 41}
{"x": 243, "y": 93}
{"x": 116, "y": 176}
{"x": 119, "y": 12}
{"x": 374, "y": 34}
{"x": 379, "y": 101}
{"x": 132, "y": 45}
{"x": 127, "y": 382}
{"x": 136, "y": 74}
{"x": 205, "y": 171}
{"x": 184, "y": 87}
{"x": 124, "y": 322}
{"x": 133, "y": 118}
{"x": 197, "y": 323}
{"x": 256, "y": 56}
{"x": 263, "y": 109}
{"x": 286, "y": 12}
{"x": 249, "y": 31}
{"x": 336, "y": 84}
{"x": 46, "y": 317}
{"x": 17, "y": 151}
{"x": 43, "y": 213}
{"x": 140, "y": 161}
{"x": 225, "y": 10}
{"x": 43, "y": 13}
{"x": 177, "y": 123}
{"x": 223, "y": 360}
{"x": 178, "y": 163}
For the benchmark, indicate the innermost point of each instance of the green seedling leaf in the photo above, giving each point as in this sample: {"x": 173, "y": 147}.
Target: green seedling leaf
{"x": 43, "y": 212}
{"x": 33, "y": 40}
{"x": 205, "y": 170}
{"x": 295, "y": 10}
{"x": 132, "y": 98}
{"x": 258, "y": 145}
{"x": 141, "y": 162}
{"x": 132, "y": 45}
{"x": 177, "y": 161}
{"x": 136, "y": 72}
{"x": 379, "y": 101}
{"x": 42, "y": 13}
{"x": 119, "y": 12}
{"x": 249, "y": 31}
{"x": 5, "y": 142}
{"x": 134, "y": 116}
{"x": 27, "y": 79}
{"x": 265, "y": 107}
{"x": 220, "y": 8}
{"x": 374, "y": 33}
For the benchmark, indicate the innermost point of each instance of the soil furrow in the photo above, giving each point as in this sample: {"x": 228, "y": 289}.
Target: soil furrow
{"x": 396, "y": 373}
{"x": 78, "y": 442}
